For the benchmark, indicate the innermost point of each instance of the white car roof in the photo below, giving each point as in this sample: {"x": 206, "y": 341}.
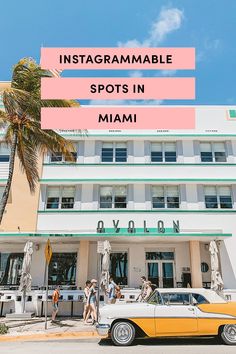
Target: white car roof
{"x": 210, "y": 295}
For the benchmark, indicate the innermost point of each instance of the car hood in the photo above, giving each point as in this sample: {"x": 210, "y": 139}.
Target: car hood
{"x": 126, "y": 310}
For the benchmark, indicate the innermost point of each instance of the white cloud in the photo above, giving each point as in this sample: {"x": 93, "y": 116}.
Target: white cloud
{"x": 169, "y": 20}
{"x": 168, "y": 72}
{"x": 125, "y": 102}
{"x": 136, "y": 73}
{"x": 209, "y": 46}
{"x": 107, "y": 102}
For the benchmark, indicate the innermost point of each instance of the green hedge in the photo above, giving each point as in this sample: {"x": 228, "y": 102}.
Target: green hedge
{"x": 3, "y": 328}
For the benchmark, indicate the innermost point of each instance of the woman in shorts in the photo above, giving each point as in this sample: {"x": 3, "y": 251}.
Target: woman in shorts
{"x": 92, "y": 302}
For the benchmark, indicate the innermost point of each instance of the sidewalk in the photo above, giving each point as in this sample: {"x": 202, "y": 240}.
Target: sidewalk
{"x": 34, "y": 329}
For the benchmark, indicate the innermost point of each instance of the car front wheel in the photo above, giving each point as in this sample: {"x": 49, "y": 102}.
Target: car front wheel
{"x": 123, "y": 333}
{"x": 228, "y": 334}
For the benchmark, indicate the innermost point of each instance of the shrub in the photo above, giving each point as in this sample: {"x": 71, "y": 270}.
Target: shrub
{"x": 3, "y": 328}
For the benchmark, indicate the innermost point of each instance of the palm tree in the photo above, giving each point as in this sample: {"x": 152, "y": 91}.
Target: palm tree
{"x": 21, "y": 123}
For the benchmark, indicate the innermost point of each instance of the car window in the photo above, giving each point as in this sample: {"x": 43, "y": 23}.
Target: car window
{"x": 176, "y": 298}
{"x": 155, "y": 298}
{"x": 199, "y": 299}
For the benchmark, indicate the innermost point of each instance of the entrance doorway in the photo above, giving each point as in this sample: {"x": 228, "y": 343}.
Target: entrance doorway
{"x": 160, "y": 269}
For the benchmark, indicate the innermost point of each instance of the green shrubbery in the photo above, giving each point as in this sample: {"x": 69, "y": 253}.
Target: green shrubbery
{"x": 3, "y": 328}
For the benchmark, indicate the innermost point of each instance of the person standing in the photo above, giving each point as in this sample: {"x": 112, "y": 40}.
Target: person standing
{"x": 55, "y": 301}
{"x": 147, "y": 291}
{"x": 143, "y": 287}
{"x": 113, "y": 291}
{"x": 92, "y": 302}
{"x": 86, "y": 295}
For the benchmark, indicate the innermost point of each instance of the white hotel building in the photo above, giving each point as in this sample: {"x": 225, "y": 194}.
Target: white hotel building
{"x": 159, "y": 197}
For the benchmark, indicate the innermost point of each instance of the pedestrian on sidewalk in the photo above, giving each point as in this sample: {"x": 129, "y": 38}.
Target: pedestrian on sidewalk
{"x": 92, "y": 302}
{"x": 55, "y": 300}
{"x": 143, "y": 287}
{"x": 113, "y": 291}
{"x": 87, "y": 310}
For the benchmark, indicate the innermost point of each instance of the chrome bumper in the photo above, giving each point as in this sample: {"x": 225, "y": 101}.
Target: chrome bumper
{"x": 103, "y": 329}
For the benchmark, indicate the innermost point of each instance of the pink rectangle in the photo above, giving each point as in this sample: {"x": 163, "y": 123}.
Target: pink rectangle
{"x": 87, "y": 117}
{"x": 182, "y": 58}
{"x": 116, "y": 88}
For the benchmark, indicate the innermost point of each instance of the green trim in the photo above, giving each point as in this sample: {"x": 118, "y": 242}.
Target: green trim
{"x": 138, "y": 180}
{"x": 150, "y": 135}
{"x": 113, "y": 234}
{"x": 139, "y": 211}
{"x": 102, "y": 164}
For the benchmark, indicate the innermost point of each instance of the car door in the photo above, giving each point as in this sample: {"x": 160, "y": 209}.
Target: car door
{"x": 176, "y": 315}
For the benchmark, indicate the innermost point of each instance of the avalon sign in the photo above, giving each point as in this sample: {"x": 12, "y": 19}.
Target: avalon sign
{"x": 131, "y": 228}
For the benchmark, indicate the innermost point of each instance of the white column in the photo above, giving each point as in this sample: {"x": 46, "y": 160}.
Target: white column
{"x": 82, "y": 263}
{"x": 195, "y": 262}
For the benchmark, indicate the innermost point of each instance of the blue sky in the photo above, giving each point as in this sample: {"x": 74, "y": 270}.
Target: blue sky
{"x": 207, "y": 25}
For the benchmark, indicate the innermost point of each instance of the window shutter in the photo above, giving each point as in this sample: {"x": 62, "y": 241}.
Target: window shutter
{"x": 205, "y": 147}
{"x": 172, "y": 191}
{"x": 210, "y": 190}
{"x": 53, "y": 192}
{"x": 120, "y": 190}
{"x": 169, "y": 147}
{"x": 157, "y": 191}
{"x": 68, "y": 192}
{"x": 156, "y": 147}
{"x": 219, "y": 147}
{"x": 105, "y": 191}
{"x": 225, "y": 191}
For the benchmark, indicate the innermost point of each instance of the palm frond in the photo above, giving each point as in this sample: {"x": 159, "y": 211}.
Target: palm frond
{"x": 28, "y": 159}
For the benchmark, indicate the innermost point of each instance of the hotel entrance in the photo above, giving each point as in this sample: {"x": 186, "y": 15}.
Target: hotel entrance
{"x": 160, "y": 269}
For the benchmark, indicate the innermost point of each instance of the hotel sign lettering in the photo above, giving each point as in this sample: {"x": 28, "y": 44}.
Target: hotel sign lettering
{"x": 160, "y": 227}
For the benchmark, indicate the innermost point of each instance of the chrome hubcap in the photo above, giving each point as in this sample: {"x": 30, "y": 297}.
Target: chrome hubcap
{"x": 230, "y": 333}
{"x": 123, "y": 333}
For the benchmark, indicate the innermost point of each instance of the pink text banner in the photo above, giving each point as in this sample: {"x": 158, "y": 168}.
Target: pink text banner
{"x": 118, "y": 88}
{"x": 118, "y": 58}
{"x": 120, "y": 117}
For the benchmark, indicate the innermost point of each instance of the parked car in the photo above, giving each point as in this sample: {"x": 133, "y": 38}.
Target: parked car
{"x": 170, "y": 313}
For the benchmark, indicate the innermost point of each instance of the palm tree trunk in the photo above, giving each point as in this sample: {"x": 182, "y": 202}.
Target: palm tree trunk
{"x": 6, "y": 192}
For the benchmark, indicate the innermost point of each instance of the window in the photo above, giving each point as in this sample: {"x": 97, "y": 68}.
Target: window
{"x": 153, "y": 256}
{"x": 213, "y": 152}
{"x": 155, "y": 298}
{"x": 10, "y": 268}
{"x": 165, "y": 197}
{"x": 163, "y": 152}
{"x": 113, "y": 197}
{"x": 176, "y": 299}
{"x": 57, "y": 156}
{"x": 4, "y": 153}
{"x": 119, "y": 267}
{"x": 204, "y": 267}
{"x": 199, "y": 299}
{"x": 62, "y": 269}
{"x": 60, "y": 197}
{"x": 114, "y": 152}
{"x": 218, "y": 197}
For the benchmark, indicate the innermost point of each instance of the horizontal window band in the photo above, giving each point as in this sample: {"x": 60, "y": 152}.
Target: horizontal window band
{"x": 102, "y": 164}
{"x": 157, "y": 211}
{"x": 130, "y": 180}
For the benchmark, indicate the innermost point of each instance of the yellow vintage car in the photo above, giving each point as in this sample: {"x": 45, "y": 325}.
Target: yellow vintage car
{"x": 170, "y": 313}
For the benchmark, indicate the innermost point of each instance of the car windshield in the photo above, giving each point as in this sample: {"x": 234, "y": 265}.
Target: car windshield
{"x": 154, "y": 298}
